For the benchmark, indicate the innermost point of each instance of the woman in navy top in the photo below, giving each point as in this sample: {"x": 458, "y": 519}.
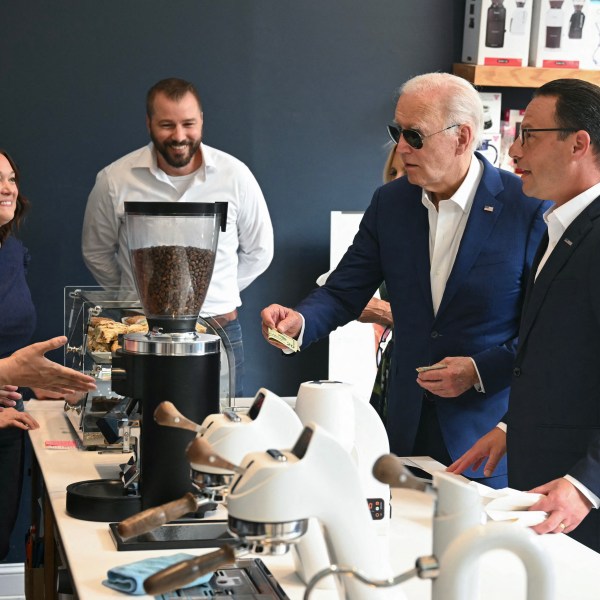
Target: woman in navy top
{"x": 17, "y": 322}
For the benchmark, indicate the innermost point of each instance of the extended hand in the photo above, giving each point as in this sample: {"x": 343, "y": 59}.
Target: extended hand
{"x": 492, "y": 446}
{"x": 285, "y": 320}
{"x": 29, "y": 367}
{"x": 565, "y": 504}
{"x": 459, "y": 376}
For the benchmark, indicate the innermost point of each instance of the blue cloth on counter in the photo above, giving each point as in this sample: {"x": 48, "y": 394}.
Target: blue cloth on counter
{"x": 130, "y": 578}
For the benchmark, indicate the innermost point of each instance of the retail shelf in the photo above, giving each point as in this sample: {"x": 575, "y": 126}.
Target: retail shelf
{"x": 527, "y": 77}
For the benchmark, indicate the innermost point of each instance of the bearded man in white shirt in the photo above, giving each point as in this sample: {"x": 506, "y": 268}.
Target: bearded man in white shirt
{"x": 178, "y": 167}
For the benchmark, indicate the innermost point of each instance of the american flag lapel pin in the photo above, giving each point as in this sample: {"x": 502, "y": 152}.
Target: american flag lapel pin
{"x": 488, "y": 208}
{"x": 568, "y": 242}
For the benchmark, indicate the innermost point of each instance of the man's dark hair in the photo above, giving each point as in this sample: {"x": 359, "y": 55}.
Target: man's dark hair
{"x": 22, "y": 202}
{"x": 174, "y": 89}
{"x": 577, "y": 107}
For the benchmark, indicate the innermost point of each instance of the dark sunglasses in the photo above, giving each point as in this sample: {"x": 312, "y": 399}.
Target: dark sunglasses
{"x": 412, "y": 137}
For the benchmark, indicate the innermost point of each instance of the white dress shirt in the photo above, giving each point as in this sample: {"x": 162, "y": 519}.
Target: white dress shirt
{"x": 446, "y": 227}
{"x": 558, "y": 219}
{"x": 244, "y": 251}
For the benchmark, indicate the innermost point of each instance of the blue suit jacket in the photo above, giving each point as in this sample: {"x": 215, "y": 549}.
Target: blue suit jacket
{"x": 479, "y": 312}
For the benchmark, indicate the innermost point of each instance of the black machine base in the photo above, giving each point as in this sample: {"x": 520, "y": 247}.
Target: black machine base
{"x": 101, "y": 500}
{"x": 177, "y": 535}
{"x": 248, "y": 579}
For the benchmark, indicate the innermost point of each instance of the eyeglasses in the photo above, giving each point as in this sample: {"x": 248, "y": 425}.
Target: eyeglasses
{"x": 412, "y": 137}
{"x": 527, "y": 130}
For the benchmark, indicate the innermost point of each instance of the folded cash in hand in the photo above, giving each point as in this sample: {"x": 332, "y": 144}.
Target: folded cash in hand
{"x": 282, "y": 338}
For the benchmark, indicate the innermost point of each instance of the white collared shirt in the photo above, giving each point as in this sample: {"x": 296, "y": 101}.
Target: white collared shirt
{"x": 446, "y": 227}
{"x": 558, "y": 219}
{"x": 244, "y": 251}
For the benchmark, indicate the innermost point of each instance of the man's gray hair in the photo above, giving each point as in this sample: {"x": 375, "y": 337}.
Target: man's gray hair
{"x": 454, "y": 96}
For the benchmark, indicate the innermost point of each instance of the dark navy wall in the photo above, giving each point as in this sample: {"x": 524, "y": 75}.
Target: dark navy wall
{"x": 300, "y": 91}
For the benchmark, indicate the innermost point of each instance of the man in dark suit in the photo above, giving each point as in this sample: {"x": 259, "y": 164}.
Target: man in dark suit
{"x": 554, "y": 410}
{"x": 453, "y": 240}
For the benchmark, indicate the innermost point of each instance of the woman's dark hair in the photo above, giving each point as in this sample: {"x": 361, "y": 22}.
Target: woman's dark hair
{"x": 577, "y": 107}
{"x": 22, "y": 202}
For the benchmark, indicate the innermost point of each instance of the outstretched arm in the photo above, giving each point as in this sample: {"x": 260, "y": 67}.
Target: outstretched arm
{"x": 29, "y": 367}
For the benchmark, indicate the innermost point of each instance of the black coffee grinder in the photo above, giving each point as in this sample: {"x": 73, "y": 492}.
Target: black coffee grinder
{"x": 172, "y": 249}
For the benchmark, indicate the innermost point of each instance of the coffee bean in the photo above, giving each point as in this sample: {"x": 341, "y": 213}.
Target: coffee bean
{"x": 173, "y": 280}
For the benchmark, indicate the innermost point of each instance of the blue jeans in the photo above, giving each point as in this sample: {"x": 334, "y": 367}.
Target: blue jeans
{"x": 233, "y": 329}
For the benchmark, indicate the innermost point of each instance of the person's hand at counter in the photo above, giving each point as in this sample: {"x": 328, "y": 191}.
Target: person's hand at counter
{"x": 10, "y": 417}
{"x": 9, "y": 395}
{"x": 283, "y": 319}
{"x": 565, "y": 504}
{"x": 492, "y": 446}
{"x": 458, "y": 376}
{"x": 29, "y": 367}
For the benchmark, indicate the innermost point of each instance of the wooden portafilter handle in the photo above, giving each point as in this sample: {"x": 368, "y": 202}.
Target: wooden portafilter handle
{"x": 391, "y": 470}
{"x": 156, "y": 516}
{"x": 167, "y": 414}
{"x": 186, "y": 571}
{"x": 200, "y": 452}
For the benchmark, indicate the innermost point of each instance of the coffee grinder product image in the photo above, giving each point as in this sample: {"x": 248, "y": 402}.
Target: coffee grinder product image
{"x": 554, "y": 23}
{"x": 577, "y": 20}
{"x": 519, "y": 20}
{"x": 496, "y": 23}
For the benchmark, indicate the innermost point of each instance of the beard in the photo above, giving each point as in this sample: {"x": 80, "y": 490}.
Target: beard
{"x": 176, "y": 161}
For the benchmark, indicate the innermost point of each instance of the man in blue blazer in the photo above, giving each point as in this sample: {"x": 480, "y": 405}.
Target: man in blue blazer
{"x": 553, "y": 421}
{"x": 453, "y": 240}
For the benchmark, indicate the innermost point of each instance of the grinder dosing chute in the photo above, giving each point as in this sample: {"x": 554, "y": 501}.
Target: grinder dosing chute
{"x": 172, "y": 247}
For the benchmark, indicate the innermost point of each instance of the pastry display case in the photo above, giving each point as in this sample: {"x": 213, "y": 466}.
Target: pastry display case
{"x": 94, "y": 318}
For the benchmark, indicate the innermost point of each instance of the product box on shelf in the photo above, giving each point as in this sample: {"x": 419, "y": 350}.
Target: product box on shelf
{"x": 497, "y": 32}
{"x": 492, "y": 111}
{"x": 565, "y": 34}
